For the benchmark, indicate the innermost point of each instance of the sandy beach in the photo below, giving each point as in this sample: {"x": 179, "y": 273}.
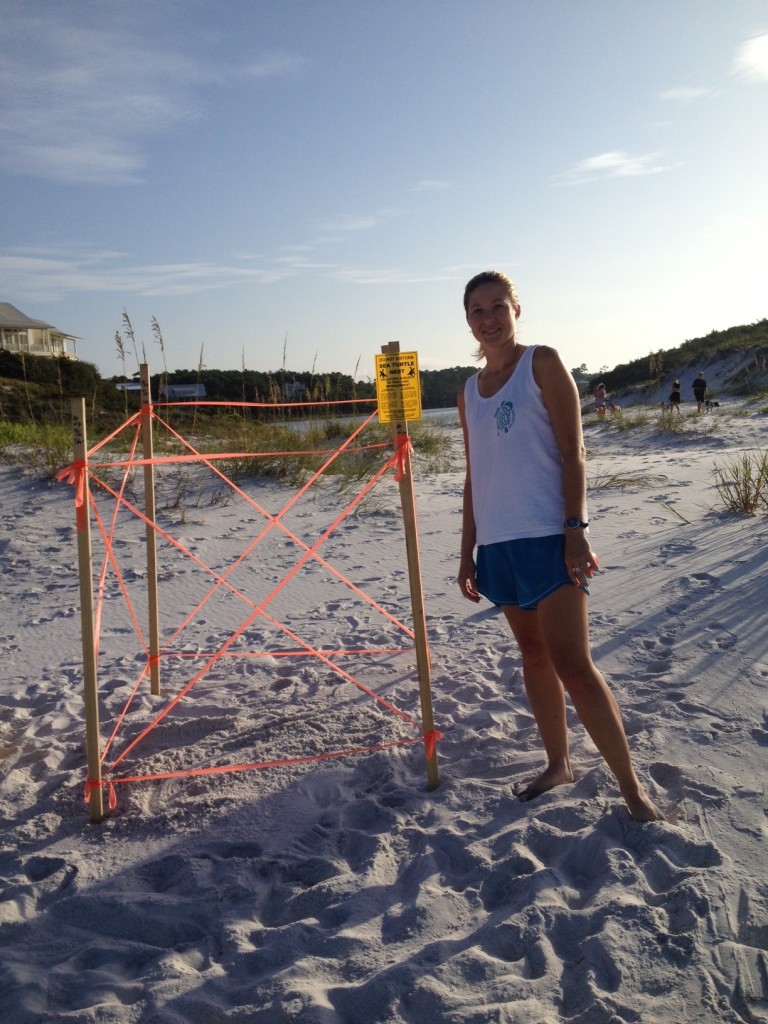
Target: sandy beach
{"x": 342, "y": 891}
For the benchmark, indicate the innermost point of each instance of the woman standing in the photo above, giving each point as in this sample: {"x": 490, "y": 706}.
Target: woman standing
{"x": 525, "y": 511}
{"x": 674, "y": 398}
{"x": 601, "y": 397}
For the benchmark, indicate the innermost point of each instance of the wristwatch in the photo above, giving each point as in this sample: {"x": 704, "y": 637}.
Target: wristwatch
{"x": 574, "y": 523}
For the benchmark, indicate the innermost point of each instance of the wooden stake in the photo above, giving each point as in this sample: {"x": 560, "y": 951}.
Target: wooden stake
{"x": 149, "y": 511}
{"x": 408, "y": 502}
{"x": 88, "y": 629}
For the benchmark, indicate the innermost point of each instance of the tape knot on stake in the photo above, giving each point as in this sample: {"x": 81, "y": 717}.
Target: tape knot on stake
{"x": 431, "y": 739}
{"x": 91, "y": 784}
{"x": 75, "y": 474}
{"x": 404, "y": 449}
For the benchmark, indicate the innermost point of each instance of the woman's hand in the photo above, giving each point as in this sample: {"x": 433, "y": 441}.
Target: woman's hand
{"x": 581, "y": 561}
{"x": 466, "y": 579}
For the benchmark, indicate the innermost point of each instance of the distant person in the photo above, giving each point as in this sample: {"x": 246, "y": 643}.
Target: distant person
{"x": 700, "y": 391}
{"x": 524, "y": 539}
{"x": 674, "y": 397}
{"x": 601, "y": 397}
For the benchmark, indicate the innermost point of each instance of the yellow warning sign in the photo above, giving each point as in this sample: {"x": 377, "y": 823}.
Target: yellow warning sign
{"x": 398, "y": 389}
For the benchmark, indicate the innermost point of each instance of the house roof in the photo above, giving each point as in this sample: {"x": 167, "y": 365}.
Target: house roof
{"x": 12, "y": 317}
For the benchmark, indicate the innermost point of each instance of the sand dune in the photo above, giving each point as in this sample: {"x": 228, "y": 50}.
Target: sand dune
{"x": 341, "y": 891}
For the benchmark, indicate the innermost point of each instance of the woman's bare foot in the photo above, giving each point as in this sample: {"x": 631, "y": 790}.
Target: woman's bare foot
{"x": 641, "y": 807}
{"x": 553, "y": 775}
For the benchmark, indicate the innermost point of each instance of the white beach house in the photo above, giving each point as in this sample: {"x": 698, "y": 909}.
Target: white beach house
{"x": 19, "y": 333}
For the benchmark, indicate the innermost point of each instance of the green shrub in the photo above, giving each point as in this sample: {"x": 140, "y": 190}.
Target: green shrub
{"x": 44, "y": 447}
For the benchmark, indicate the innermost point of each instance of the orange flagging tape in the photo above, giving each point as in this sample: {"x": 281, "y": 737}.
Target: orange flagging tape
{"x": 430, "y": 740}
{"x": 109, "y": 557}
{"x": 169, "y": 460}
{"x": 404, "y": 449}
{"x": 266, "y": 405}
{"x": 91, "y": 784}
{"x": 131, "y": 421}
{"x": 77, "y": 474}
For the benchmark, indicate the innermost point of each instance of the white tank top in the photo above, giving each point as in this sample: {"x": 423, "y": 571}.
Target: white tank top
{"x": 515, "y": 464}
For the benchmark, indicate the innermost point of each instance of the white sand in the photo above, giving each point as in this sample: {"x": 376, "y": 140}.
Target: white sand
{"x": 341, "y": 891}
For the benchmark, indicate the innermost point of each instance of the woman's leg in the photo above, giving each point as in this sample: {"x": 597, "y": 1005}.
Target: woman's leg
{"x": 565, "y": 631}
{"x": 547, "y": 699}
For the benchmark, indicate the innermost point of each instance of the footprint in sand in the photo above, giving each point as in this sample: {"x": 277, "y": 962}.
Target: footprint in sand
{"x": 760, "y": 733}
{"x": 653, "y": 654}
{"x": 694, "y": 588}
{"x": 677, "y": 548}
{"x": 723, "y": 640}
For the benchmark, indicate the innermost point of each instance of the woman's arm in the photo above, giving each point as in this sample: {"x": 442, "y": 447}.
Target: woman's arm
{"x": 561, "y": 399}
{"x": 466, "y": 577}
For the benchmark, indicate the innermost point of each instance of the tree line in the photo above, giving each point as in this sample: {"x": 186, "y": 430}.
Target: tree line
{"x": 652, "y": 368}
{"x": 45, "y": 385}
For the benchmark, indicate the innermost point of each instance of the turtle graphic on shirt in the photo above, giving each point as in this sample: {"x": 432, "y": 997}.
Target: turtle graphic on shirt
{"x": 505, "y": 417}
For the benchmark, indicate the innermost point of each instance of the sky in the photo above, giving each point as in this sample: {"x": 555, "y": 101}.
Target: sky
{"x": 307, "y": 180}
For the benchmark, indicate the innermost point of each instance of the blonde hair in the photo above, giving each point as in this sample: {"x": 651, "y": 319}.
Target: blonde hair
{"x": 491, "y": 277}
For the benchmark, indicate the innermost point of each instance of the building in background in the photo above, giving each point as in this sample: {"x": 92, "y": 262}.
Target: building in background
{"x": 182, "y": 392}
{"x": 20, "y": 334}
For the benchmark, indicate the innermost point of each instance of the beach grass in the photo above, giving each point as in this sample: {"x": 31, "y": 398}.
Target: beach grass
{"x": 741, "y": 482}
{"x": 286, "y": 451}
{"x": 605, "y": 479}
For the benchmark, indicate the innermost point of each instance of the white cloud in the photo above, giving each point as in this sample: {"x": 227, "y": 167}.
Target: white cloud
{"x": 358, "y": 222}
{"x": 392, "y": 275}
{"x": 272, "y": 65}
{"x": 50, "y": 275}
{"x": 431, "y": 185}
{"x": 81, "y": 107}
{"x": 300, "y": 257}
{"x": 350, "y": 222}
{"x": 687, "y": 94}
{"x": 614, "y": 164}
{"x": 87, "y": 160}
{"x": 80, "y": 104}
{"x": 752, "y": 59}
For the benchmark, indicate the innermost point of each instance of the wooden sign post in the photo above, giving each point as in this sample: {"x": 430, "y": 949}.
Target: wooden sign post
{"x": 149, "y": 511}
{"x": 85, "y": 570}
{"x": 400, "y": 397}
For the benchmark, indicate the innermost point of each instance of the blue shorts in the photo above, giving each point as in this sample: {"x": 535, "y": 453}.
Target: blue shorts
{"x": 522, "y": 572}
